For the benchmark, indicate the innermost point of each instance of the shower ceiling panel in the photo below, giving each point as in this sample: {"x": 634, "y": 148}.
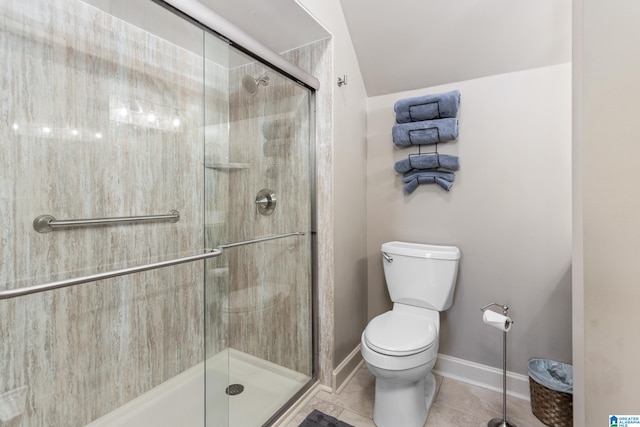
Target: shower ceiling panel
{"x": 281, "y": 25}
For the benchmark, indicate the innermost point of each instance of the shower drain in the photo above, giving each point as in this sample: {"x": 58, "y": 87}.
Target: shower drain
{"x": 234, "y": 389}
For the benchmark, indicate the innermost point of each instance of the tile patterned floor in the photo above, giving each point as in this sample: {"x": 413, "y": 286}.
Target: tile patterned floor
{"x": 457, "y": 404}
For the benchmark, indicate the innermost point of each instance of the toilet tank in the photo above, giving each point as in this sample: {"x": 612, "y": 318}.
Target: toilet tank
{"x": 421, "y": 275}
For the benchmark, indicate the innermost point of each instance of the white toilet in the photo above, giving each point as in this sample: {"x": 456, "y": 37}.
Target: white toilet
{"x": 400, "y": 346}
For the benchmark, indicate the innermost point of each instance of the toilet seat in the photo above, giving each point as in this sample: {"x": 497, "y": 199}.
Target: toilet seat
{"x": 397, "y": 333}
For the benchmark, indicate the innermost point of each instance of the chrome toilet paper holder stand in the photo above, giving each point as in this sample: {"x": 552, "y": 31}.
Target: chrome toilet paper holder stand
{"x": 502, "y": 422}
{"x": 504, "y": 307}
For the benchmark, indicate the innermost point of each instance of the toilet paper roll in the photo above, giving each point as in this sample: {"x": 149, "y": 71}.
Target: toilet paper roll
{"x": 497, "y": 320}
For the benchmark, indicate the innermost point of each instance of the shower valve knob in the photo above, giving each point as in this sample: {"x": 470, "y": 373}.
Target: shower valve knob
{"x": 266, "y": 201}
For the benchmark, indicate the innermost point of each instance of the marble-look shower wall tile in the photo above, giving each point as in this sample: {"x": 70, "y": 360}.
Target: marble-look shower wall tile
{"x": 78, "y": 140}
{"x": 270, "y": 282}
{"x": 316, "y": 59}
{"x": 217, "y": 171}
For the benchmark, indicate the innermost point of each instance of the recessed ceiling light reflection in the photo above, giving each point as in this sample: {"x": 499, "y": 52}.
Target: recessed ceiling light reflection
{"x": 15, "y": 126}
{"x": 98, "y": 135}
{"x": 151, "y": 118}
{"x": 123, "y": 112}
{"x": 74, "y": 132}
{"x": 176, "y": 122}
{"x": 46, "y": 129}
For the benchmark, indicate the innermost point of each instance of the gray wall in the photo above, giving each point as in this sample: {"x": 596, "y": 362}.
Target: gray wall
{"x": 347, "y": 187}
{"x": 350, "y": 214}
{"x": 607, "y": 204}
{"x": 509, "y": 211}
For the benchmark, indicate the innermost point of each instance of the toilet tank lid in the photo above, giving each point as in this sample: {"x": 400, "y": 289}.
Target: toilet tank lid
{"x": 420, "y": 250}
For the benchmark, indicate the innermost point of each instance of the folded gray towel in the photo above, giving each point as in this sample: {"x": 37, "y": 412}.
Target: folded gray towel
{"x": 427, "y": 107}
{"x": 411, "y": 186}
{"x": 425, "y": 173}
{"x": 426, "y": 132}
{"x": 421, "y": 176}
{"x": 427, "y": 161}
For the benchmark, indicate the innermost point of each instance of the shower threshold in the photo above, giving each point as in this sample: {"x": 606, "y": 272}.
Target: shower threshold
{"x": 180, "y": 400}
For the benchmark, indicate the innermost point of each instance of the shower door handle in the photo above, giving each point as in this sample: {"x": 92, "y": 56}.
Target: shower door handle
{"x": 13, "y": 293}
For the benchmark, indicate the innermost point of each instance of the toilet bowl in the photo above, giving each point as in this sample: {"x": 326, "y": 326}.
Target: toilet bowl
{"x": 400, "y": 346}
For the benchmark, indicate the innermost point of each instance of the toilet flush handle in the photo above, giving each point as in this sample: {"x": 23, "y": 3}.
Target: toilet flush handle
{"x": 387, "y": 256}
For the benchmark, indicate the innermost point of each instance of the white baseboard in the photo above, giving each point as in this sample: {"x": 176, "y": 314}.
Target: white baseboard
{"x": 482, "y": 376}
{"x": 346, "y": 370}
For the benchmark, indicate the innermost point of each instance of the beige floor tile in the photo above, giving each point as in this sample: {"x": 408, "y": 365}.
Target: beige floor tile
{"x": 357, "y": 395}
{"x": 485, "y": 404}
{"x": 328, "y": 408}
{"x": 438, "y": 384}
{"x": 296, "y": 421}
{"x": 473, "y": 400}
{"x": 443, "y": 416}
{"x": 519, "y": 412}
{"x": 356, "y": 419}
{"x": 457, "y": 404}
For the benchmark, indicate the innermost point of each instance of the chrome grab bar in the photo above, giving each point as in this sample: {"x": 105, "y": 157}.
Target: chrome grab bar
{"x": 261, "y": 239}
{"x": 47, "y": 223}
{"x": 13, "y": 293}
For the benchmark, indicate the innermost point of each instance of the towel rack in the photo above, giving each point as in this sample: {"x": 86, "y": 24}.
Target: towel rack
{"x": 261, "y": 239}
{"x": 211, "y": 253}
{"x": 14, "y": 293}
{"x": 47, "y": 223}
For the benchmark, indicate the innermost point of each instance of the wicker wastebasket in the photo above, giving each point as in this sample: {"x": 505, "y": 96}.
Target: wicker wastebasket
{"x": 551, "y": 386}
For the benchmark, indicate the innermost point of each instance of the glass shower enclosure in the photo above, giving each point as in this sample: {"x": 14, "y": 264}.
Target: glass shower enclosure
{"x": 156, "y": 190}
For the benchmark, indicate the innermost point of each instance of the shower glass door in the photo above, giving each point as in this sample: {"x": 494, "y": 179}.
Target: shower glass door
{"x": 101, "y": 116}
{"x": 122, "y": 109}
{"x": 258, "y": 328}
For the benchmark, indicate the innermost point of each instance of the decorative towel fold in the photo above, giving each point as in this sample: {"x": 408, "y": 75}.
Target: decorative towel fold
{"x": 426, "y": 132}
{"x": 427, "y": 161}
{"x": 411, "y": 186}
{"x": 449, "y": 176}
{"x": 427, "y": 107}
{"x": 417, "y": 177}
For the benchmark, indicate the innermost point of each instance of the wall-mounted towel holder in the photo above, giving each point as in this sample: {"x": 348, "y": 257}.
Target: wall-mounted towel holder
{"x": 426, "y": 120}
{"x": 420, "y": 154}
{"x": 435, "y": 150}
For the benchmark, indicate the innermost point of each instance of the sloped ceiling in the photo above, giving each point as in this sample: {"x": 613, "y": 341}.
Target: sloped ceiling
{"x": 410, "y": 44}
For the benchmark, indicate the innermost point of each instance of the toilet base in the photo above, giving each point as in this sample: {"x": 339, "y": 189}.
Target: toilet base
{"x": 405, "y": 405}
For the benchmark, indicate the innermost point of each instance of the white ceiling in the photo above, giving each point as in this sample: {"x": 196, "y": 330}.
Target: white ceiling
{"x": 411, "y": 44}
{"x": 280, "y": 25}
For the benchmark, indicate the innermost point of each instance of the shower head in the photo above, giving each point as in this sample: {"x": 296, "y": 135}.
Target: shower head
{"x": 251, "y": 85}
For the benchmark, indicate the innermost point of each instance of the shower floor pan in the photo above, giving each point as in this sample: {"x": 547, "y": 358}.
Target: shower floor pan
{"x": 179, "y": 402}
